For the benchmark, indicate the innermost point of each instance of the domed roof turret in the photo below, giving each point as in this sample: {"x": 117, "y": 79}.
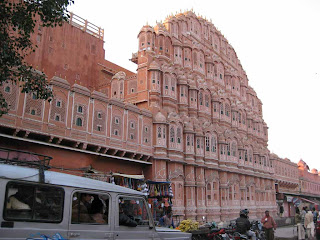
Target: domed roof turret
{"x": 314, "y": 171}
{"x": 146, "y": 28}
{"x": 160, "y": 118}
{"x": 161, "y": 29}
{"x": 302, "y": 165}
{"x": 119, "y": 75}
{"x": 154, "y": 66}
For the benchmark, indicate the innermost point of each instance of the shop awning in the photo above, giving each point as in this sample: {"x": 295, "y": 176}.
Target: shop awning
{"x": 154, "y": 182}
{"x": 140, "y": 177}
{"x": 313, "y": 202}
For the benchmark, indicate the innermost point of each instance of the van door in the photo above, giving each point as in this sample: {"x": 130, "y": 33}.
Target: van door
{"x": 133, "y": 219}
{"x": 90, "y": 216}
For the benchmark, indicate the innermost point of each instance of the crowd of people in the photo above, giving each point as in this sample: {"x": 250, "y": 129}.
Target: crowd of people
{"x": 306, "y": 221}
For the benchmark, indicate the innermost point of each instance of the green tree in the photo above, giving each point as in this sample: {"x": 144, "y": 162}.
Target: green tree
{"x": 17, "y": 22}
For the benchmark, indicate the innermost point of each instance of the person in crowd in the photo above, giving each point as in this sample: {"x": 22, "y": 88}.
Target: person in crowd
{"x": 281, "y": 210}
{"x": 303, "y": 214}
{"x": 243, "y": 224}
{"x": 81, "y": 208}
{"x": 309, "y": 224}
{"x": 22, "y": 199}
{"x": 96, "y": 211}
{"x": 167, "y": 220}
{"x": 269, "y": 225}
{"x": 315, "y": 215}
{"x": 124, "y": 219}
{"x": 297, "y": 219}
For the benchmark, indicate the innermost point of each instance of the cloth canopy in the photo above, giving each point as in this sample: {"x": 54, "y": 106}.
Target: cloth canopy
{"x": 154, "y": 182}
{"x": 139, "y": 177}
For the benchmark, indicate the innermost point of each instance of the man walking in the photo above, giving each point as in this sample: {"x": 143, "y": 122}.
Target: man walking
{"x": 309, "y": 224}
{"x": 269, "y": 225}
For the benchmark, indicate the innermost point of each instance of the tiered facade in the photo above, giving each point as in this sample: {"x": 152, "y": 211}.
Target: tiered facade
{"x": 210, "y": 139}
{"x": 188, "y": 116}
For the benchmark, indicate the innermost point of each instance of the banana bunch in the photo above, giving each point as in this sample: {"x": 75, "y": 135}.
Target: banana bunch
{"x": 188, "y": 225}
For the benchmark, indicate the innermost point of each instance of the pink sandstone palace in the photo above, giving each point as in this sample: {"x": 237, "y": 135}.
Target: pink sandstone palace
{"x": 188, "y": 117}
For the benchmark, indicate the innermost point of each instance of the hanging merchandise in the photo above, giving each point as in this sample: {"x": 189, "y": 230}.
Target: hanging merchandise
{"x": 112, "y": 180}
{"x": 160, "y": 198}
{"x": 170, "y": 191}
{"x": 135, "y": 182}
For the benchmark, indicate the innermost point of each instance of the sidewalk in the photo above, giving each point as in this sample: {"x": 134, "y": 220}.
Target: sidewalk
{"x": 285, "y": 233}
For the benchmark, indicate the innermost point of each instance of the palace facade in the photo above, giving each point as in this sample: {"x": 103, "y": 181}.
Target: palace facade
{"x": 188, "y": 116}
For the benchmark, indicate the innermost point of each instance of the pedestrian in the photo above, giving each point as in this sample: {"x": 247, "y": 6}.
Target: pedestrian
{"x": 315, "y": 215}
{"x": 281, "y": 210}
{"x": 303, "y": 214}
{"x": 167, "y": 220}
{"x": 301, "y": 232}
{"x": 309, "y": 224}
{"x": 243, "y": 224}
{"x": 269, "y": 226}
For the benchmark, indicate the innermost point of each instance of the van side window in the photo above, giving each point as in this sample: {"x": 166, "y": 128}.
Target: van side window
{"x": 133, "y": 212}
{"x": 29, "y": 202}
{"x": 90, "y": 208}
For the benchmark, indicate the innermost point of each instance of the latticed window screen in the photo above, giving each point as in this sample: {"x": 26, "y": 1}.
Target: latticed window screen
{"x": 172, "y": 134}
{"x": 33, "y": 104}
{"x": 9, "y": 92}
{"x": 213, "y": 144}
{"x": 179, "y": 135}
{"x": 207, "y": 144}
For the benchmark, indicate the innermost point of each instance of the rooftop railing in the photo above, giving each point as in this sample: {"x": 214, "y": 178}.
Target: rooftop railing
{"x": 86, "y": 26}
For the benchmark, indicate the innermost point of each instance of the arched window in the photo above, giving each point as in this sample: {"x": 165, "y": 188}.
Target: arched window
{"x": 58, "y": 103}
{"x": 198, "y": 143}
{"x": 207, "y": 144}
{"x": 164, "y": 132}
{"x": 178, "y": 135}
{"x": 188, "y": 140}
{"x": 246, "y": 155}
{"x": 207, "y": 100}
{"x": 227, "y": 110}
{"x": 250, "y": 155}
{"x": 221, "y": 108}
{"x": 172, "y": 134}
{"x": 166, "y": 82}
{"x": 7, "y": 89}
{"x": 201, "y": 98}
{"x": 34, "y": 96}
{"x": 213, "y": 144}
{"x": 79, "y": 122}
{"x": 57, "y": 118}
{"x": 173, "y": 84}
{"x": 159, "y": 132}
{"x": 79, "y": 109}
{"x": 33, "y": 112}
{"x": 234, "y": 149}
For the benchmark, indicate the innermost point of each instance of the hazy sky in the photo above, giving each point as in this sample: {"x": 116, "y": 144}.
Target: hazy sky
{"x": 277, "y": 42}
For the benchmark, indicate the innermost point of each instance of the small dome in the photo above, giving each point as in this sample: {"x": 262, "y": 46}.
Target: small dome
{"x": 146, "y": 28}
{"x": 160, "y": 118}
{"x": 314, "y": 171}
{"x": 119, "y": 75}
{"x": 188, "y": 126}
{"x": 154, "y": 66}
{"x": 161, "y": 29}
{"x": 302, "y": 165}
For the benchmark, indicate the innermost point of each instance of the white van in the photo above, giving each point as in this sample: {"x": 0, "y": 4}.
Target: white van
{"x": 55, "y": 205}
